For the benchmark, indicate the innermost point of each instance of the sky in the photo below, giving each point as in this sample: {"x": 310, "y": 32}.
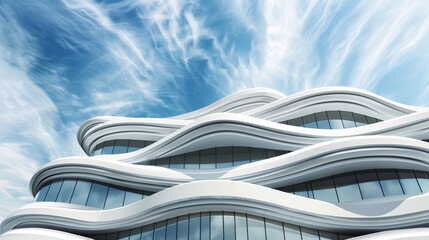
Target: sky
{"x": 63, "y": 62}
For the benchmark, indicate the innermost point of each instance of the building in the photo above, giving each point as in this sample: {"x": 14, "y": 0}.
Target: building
{"x": 328, "y": 163}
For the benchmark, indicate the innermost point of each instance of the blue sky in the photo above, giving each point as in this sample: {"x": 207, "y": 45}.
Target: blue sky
{"x": 62, "y": 62}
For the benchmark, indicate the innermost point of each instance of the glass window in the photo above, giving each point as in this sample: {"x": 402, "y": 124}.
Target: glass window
{"x": 100, "y": 237}
{"x": 223, "y": 157}
{"x": 335, "y": 120}
{"x": 322, "y": 120}
{"x": 171, "y": 229}
{"x": 371, "y": 120}
{"x": 98, "y": 149}
{"x": 328, "y": 236}
{"x": 132, "y": 196}
{"x": 216, "y": 226}
{"x": 112, "y": 236}
{"x": 229, "y": 226}
{"x": 240, "y": 226}
{"x": 81, "y": 192}
{"x": 136, "y": 234}
{"x": 274, "y": 230}
{"x": 208, "y": 158}
{"x": 323, "y": 189}
{"x": 292, "y": 232}
{"x": 205, "y": 226}
{"x": 408, "y": 181}
{"x": 125, "y": 235}
{"x": 241, "y": 155}
{"x": 53, "y": 191}
{"x": 121, "y": 146}
{"x": 423, "y": 180}
{"x": 194, "y": 227}
{"x": 295, "y": 122}
{"x": 309, "y": 234}
{"x": 360, "y": 119}
{"x": 115, "y": 198}
{"x": 369, "y": 185}
{"x": 256, "y": 228}
{"x": 348, "y": 120}
{"x": 310, "y": 121}
{"x": 135, "y": 145}
{"x": 389, "y": 182}
{"x": 192, "y": 160}
{"x": 177, "y": 162}
{"x": 66, "y": 190}
{"x": 271, "y": 153}
{"x": 347, "y": 187}
{"x": 108, "y": 147}
{"x": 257, "y": 154}
{"x": 97, "y": 195}
{"x": 147, "y": 232}
{"x": 42, "y": 193}
{"x": 163, "y": 162}
{"x": 159, "y": 232}
{"x": 182, "y": 227}
{"x": 301, "y": 190}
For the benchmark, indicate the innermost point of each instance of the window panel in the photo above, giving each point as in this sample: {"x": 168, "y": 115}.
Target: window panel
{"x": 423, "y": 180}
{"x": 408, "y": 181}
{"x": 171, "y": 229}
{"x": 136, "y": 234}
{"x": 241, "y": 155}
{"x": 292, "y": 232}
{"x": 205, "y": 226}
{"x": 348, "y": 120}
{"x": 347, "y": 187}
{"x": 135, "y": 145}
{"x": 53, "y": 191}
{"x": 300, "y": 190}
{"x": 328, "y": 236}
{"x": 223, "y": 157}
{"x": 323, "y": 189}
{"x": 295, "y": 122}
{"x": 360, "y": 119}
{"x": 182, "y": 228}
{"x": 256, "y": 228}
{"x": 229, "y": 226}
{"x": 192, "y": 160}
{"x": 121, "y": 146}
{"x": 132, "y": 196}
{"x": 194, "y": 227}
{"x": 322, "y": 120}
{"x": 310, "y": 121}
{"x": 81, "y": 192}
{"x": 159, "y": 232}
{"x": 124, "y": 235}
{"x": 42, "y": 193}
{"x": 208, "y": 159}
{"x": 389, "y": 182}
{"x": 147, "y": 232}
{"x": 177, "y": 162}
{"x": 98, "y": 149}
{"x": 115, "y": 198}
{"x": 240, "y": 226}
{"x": 271, "y": 153}
{"x": 97, "y": 195}
{"x": 108, "y": 147}
{"x": 369, "y": 184}
{"x": 163, "y": 162}
{"x": 309, "y": 234}
{"x": 257, "y": 154}
{"x": 371, "y": 120}
{"x": 274, "y": 230}
{"x": 112, "y": 236}
{"x": 216, "y": 226}
{"x": 335, "y": 120}
{"x": 66, "y": 190}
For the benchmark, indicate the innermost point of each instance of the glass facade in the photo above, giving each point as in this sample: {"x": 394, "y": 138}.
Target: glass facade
{"x": 364, "y": 184}
{"x": 88, "y": 193}
{"x": 332, "y": 120}
{"x": 220, "y": 157}
{"x": 119, "y": 146}
{"x": 220, "y": 226}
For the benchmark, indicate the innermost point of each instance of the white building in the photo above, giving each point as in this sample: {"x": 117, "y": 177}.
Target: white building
{"x": 328, "y": 163}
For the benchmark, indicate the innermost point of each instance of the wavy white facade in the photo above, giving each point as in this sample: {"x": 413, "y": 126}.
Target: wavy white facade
{"x": 328, "y": 163}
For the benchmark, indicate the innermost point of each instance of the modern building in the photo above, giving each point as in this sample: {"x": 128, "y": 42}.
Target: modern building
{"x": 328, "y": 163}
